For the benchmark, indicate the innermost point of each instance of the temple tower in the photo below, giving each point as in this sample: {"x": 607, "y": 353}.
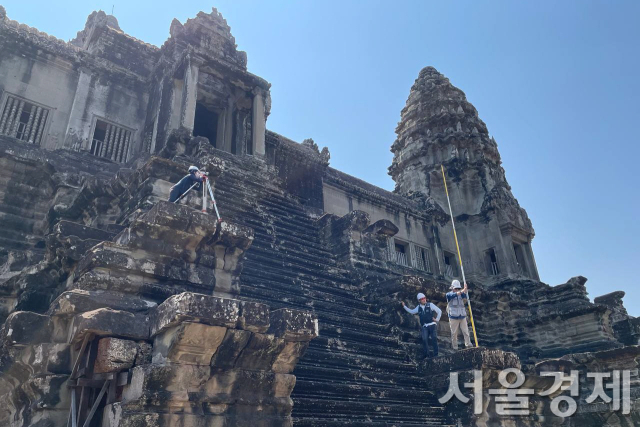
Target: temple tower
{"x": 439, "y": 126}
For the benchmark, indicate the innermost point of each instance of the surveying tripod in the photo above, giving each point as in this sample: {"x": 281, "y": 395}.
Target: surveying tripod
{"x": 206, "y": 185}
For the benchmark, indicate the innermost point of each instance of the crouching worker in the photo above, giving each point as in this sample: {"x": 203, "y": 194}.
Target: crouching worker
{"x": 195, "y": 176}
{"x": 457, "y": 313}
{"x": 429, "y": 315}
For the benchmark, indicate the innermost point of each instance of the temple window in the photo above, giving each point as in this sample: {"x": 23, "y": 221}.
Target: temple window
{"x": 110, "y": 141}
{"x": 450, "y": 268}
{"x": 491, "y": 262}
{"x": 401, "y": 249}
{"x": 423, "y": 261}
{"x": 23, "y": 120}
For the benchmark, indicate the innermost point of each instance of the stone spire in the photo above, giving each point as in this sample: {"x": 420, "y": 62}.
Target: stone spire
{"x": 439, "y": 126}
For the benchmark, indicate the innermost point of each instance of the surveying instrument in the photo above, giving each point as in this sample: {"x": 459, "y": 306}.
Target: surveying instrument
{"x": 206, "y": 185}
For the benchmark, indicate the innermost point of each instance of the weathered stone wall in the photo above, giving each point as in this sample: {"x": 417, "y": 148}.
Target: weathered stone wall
{"x": 73, "y": 84}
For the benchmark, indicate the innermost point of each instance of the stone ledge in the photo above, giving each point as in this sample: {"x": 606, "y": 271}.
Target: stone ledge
{"x": 79, "y": 301}
{"x": 470, "y": 359}
{"x": 25, "y": 328}
{"x": 197, "y": 308}
{"x": 181, "y": 218}
{"x": 112, "y": 323}
{"x": 294, "y": 325}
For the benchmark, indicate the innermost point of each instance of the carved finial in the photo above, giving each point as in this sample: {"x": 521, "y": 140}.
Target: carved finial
{"x": 176, "y": 28}
{"x": 459, "y": 127}
{"x": 325, "y": 155}
{"x": 460, "y": 110}
{"x": 3, "y": 13}
{"x": 311, "y": 144}
{"x": 475, "y": 130}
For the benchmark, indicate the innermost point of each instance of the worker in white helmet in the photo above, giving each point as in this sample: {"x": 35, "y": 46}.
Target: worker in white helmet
{"x": 429, "y": 314}
{"x": 186, "y": 183}
{"x": 458, "y": 313}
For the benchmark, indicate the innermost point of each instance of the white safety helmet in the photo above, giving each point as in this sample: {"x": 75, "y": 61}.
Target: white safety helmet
{"x": 420, "y": 296}
{"x": 193, "y": 169}
{"x": 456, "y": 284}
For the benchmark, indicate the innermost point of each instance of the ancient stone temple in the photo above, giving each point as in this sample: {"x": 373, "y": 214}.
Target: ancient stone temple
{"x": 120, "y": 309}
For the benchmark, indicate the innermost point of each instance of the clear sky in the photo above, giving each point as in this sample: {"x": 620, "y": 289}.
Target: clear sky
{"x": 556, "y": 82}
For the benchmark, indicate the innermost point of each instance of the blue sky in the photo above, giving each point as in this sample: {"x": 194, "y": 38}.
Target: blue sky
{"x": 556, "y": 82}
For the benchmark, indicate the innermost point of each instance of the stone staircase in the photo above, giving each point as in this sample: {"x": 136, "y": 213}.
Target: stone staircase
{"x": 356, "y": 371}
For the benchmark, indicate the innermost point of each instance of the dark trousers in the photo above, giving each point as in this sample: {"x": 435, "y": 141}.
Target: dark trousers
{"x": 429, "y": 333}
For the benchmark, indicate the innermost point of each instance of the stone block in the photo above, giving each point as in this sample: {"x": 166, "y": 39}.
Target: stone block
{"x": 182, "y": 218}
{"x": 254, "y": 317}
{"x": 144, "y": 354}
{"x": 50, "y": 358}
{"x": 177, "y": 385}
{"x": 115, "y": 354}
{"x": 197, "y": 308}
{"x": 382, "y": 228}
{"x": 114, "y": 257}
{"x": 78, "y": 301}
{"x": 293, "y": 325}
{"x": 160, "y": 239}
{"x": 288, "y": 358}
{"x": 188, "y": 343}
{"x": 25, "y": 327}
{"x": 260, "y": 352}
{"x": 124, "y": 283}
{"x": 113, "y": 323}
{"x": 235, "y": 340}
{"x": 68, "y": 228}
{"x": 232, "y": 235}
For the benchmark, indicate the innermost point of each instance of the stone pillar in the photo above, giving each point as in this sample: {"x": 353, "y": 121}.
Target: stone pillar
{"x": 531, "y": 261}
{"x": 258, "y": 127}
{"x": 220, "y": 140}
{"x": 79, "y": 123}
{"x": 189, "y": 94}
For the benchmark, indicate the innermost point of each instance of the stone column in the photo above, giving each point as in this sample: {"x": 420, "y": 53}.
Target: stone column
{"x": 189, "y": 94}
{"x": 258, "y": 127}
{"x": 531, "y": 261}
{"x": 79, "y": 129}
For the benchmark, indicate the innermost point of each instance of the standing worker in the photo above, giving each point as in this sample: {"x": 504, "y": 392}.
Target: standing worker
{"x": 195, "y": 176}
{"x": 429, "y": 314}
{"x": 458, "y": 313}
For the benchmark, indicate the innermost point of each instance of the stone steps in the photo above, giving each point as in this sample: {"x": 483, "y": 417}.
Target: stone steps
{"x": 309, "y": 296}
{"x": 321, "y": 357}
{"x": 350, "y": 411}
{"x": 283, "y": 260}
{"x": 14, "y": 244}
{"x": 270, "y": 265}
{"x": 356, "y": 371}
{"x": 15, "y": 224}
{"x": 358, "y": 348}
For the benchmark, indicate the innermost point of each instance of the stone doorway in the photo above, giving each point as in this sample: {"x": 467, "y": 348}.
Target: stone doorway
{"x": 206, "y": 123}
